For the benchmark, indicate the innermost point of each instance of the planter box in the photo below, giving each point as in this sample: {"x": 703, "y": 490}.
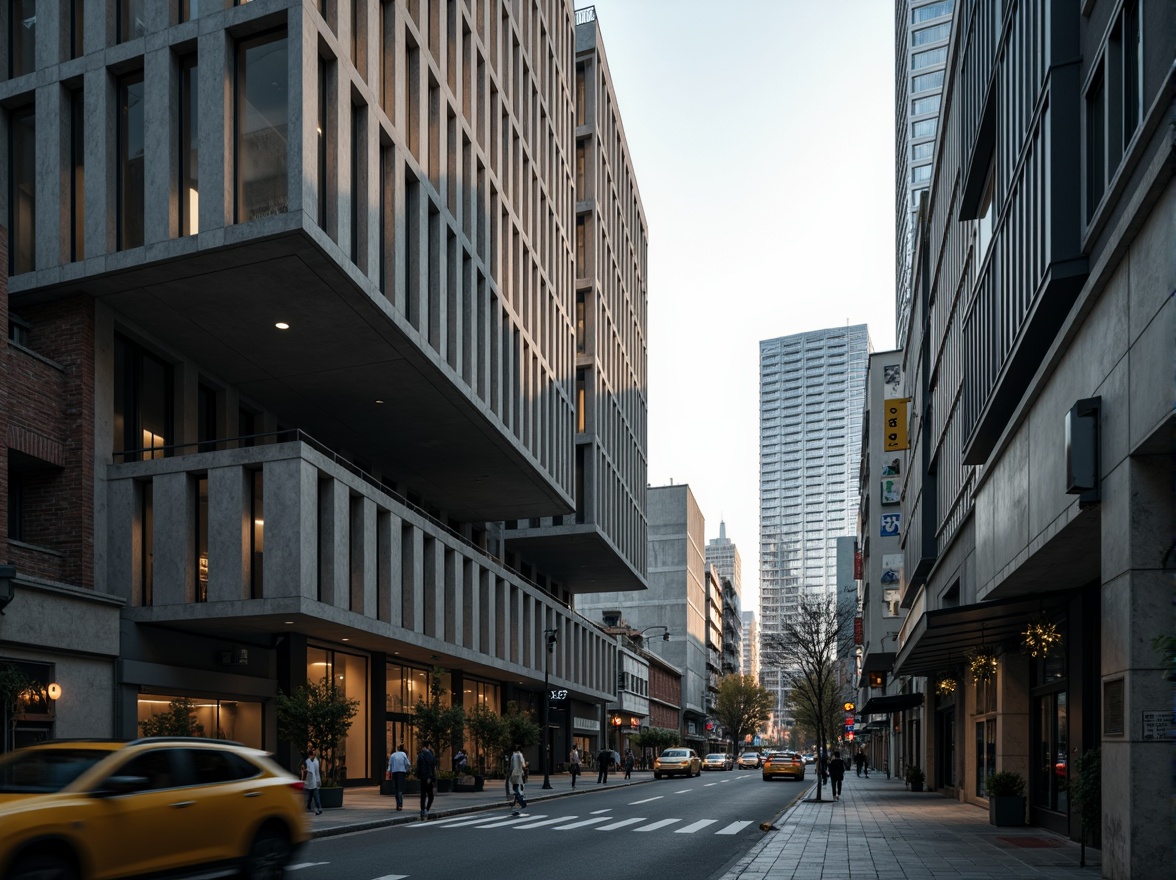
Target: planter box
{"x": 916, "y": 786}
{"x": 1006, "y": 811}
{"x": 332, "y": 798}
{"x": 469, "y": 783}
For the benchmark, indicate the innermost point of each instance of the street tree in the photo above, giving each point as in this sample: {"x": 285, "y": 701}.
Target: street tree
{"x": 803, "y": 651}
{"x": 742, "y": 706}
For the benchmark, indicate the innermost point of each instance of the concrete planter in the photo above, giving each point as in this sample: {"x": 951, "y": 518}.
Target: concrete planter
{"x": 332, "y": 798}
{"x": 1006, "y": 810}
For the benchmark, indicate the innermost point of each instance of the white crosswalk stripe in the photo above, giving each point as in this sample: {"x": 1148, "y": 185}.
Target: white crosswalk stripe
{"x": 583, "y": 823}
{"x": 653, "y": 826}
{"x": 554, "y": 821}
{"x": 695, "y": 826}
{"x": 615, "y": 825}
{"x": 734, "y": 828}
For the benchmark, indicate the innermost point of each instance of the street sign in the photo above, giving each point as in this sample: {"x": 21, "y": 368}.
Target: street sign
{"x": 556, "y": 697}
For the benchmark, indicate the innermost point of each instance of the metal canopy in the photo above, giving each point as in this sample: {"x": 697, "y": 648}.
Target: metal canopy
{"x": 942, "y": 639}
{"x": 892, "y": 703}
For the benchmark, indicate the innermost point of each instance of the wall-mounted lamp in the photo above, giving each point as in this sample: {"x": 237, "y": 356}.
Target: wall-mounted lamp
{"x": 54, "y": 691}
{"x": 7, "y": 585}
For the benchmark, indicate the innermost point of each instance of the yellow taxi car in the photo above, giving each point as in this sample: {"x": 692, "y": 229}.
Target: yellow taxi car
{"x": 787, "y": 764}
{"x": 677, "y": 762}
{"x": 97, "y": 809}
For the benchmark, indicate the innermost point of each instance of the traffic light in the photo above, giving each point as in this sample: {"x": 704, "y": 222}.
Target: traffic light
{"x": 848, "y": 707}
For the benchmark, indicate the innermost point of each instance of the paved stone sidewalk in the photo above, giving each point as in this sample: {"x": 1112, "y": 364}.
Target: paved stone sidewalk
{"x": 880, "y": 830}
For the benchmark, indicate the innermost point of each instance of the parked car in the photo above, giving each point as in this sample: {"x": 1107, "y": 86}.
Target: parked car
{"x": 98, "y": 809}
{"x": 677, "y": 762}
{"x": 788, "y": 764}
{"x": 749, "y": 760}
{"x": 718, "y": 761}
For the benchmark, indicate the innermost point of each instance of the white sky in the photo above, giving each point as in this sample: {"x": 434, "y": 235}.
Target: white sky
{"x": 762, "y": 137}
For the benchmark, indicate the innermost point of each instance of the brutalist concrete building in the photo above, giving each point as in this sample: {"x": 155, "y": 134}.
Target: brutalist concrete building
{"x": 304, "y": 277}
{"x": 1037, "y": 501}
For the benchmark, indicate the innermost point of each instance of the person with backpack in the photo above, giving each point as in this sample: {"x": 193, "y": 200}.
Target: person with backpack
{"x": 836, "y": 774}
{"x": 517, "y": 780}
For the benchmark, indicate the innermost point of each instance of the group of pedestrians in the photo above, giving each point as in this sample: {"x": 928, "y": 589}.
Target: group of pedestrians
{"x": 426, "y": 774}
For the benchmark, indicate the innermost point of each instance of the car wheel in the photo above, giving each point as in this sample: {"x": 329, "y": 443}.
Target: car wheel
{"x": 43, "y": 866}
{"x": 767, "y": 778}
{"x": 656, "y": 775}
{"x": 268, "y": 856}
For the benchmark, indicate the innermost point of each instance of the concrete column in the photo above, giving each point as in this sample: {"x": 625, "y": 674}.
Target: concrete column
{"x": 302, "y": 64}
{"x": 214, "y": 109}
{"x": 51, "y": 169}
{"x": 1012, "y": 699}
{"x": 1137, "y": 517}
{"x": 334, "y": 513}
{"x": 412, "y": 586}
{"x": 123, "y": 540}
{"x": 175, "y": 525}
{"x": 391, "y": 584}
{"x": 228, "y": 536}
{"x": 101, "y": 159}
{"x": 291, "y": 528}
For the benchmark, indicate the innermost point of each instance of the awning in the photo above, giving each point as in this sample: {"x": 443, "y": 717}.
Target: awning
{"x": 941, "y": 640}
{"x": 875, "y": 661}
{"x": 893, "y": 703}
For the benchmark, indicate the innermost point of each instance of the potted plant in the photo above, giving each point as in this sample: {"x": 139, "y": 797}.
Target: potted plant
{"x": 914, "y": 777}
{"x": 438, "y": 725}
{"x": 319, "y": 715}
{"x": 486, "y": 730}
{"x": 1006, "y": 798}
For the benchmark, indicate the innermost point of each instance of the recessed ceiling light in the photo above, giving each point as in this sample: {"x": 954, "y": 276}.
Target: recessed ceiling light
{"x": 346, "y": 639}
{"x": 379, "y": 401}
{"x": 282, "y": 325}
{"x": 289, "y": 622}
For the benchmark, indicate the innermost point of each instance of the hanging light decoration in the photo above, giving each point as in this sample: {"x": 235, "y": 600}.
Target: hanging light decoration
{"x": 983, "y": 666}
{"x": 1041, "y": 637}
{"x": 945, "y": 687}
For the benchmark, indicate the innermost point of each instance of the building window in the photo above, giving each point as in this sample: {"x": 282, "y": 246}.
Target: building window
{"x": 581, "y": 400}
{"x": 131, "y": 19}
{"x": 22, "y": 198}
{"x": 202, "y": 539}
{"x": 146, "y": 574}
{"x": 924, "y": 128}
{"x": 130, "y": 161}
{"x": 922, "y": 151}
{"x": 931, "y": 34}
{"x": 189, "y": 146}
{"x": 926, "y": 81}
{"x": 348, "y": 674}
{"x": 581, "y": 322}
{"x": 920, "y": 106}
{"x": 77, "y": 28}
{"x": 931, "y": 10}
{"x": 261, "y": 122}
{"x": 233, "y": 719}
{"x": 206, "y": 403}
{"x": 984, "y": 220}
{"x": 142, "y": 403}
{"x": 925, "y": 59}
{"x": 77, "y": 180}
{"x": 15, "y": 504}
{"x": 581, "y": 99}
{"x": 22, "y": 37}
{"x": 195, "y": 8}
{"x": 920, "y": 174}
{"x": 256, "y": 535}
{"x": 323, "y": 81}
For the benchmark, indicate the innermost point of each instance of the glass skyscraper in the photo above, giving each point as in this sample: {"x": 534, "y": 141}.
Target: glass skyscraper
{"x": 812, "y": 390}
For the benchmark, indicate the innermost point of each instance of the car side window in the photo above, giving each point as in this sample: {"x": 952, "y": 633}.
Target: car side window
{"x": 212, "y": 766}
{"x": 155, "y": 766}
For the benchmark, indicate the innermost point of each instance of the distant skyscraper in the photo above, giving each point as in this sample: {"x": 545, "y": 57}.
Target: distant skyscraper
{"x": 812, "y": 388}
{"x": 722, "y": 553}
{"x": 751, "y": 665}
{"x": 921, "y": 32}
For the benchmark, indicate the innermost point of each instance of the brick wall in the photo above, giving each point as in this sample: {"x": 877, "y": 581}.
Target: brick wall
{"x": 47, "y": 431}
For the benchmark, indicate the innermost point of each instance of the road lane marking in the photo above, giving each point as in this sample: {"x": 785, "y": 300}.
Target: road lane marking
{"x": 695, "y": 826}
{"x": 734, "y": 828}
{"x": 302, "y": 865}
{"x": 598, "y": 812}
{"x": 647, "y": 800}
{"x": 684, "y": 791}
{"x": 708, "y": 784}
{"x": 653, "y": 826}
{"x": 615, "y": 825}
{"x": 582, "y": 823}
{"x": 393, "y": 877}
{"x": 514, "y": 820}
{"x": 546, "y": 822}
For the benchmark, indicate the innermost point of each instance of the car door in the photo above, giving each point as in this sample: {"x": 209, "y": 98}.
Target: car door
{"x": 229, "y": 803}
{"x": 138, "y": 829}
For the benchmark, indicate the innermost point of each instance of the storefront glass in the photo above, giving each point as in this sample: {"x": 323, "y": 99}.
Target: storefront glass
{"x": 347, "y": 672}
{"x": 236, "y": 720}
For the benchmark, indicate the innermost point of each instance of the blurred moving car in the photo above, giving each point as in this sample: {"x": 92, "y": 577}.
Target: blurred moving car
{"x": 787, "y": 764}
{"x": 97, "y": 809}
{"x": 749, "y": 760}
{"x": 718, "y": 761}
{"x": 677, "y": 762}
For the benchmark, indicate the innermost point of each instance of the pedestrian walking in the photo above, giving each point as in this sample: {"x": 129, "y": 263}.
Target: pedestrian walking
{"x": 603, "y": 762}
{"x": 574, "y": 765}
{"x": 836, "y": 774}
{"x": 426, "y": 771}
{"x": 461, "y": 763}
{"x": 859, "y": 759}
{"x": 398, "y": 767}
{"x": 628, "y": 763}
{"x": 312, "y": 781}
{"x": 518, "y": 766}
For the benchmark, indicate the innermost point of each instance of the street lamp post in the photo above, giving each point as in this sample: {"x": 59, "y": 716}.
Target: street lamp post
{"x": 549, "y": 636}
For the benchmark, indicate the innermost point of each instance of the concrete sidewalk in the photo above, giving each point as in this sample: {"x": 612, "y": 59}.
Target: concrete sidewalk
{"x": 878, "y": 829}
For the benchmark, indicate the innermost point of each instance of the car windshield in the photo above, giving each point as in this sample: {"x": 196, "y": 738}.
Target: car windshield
{"x": 715, "y": 756}
{"x": 750, "y": 755}
{"x": 43, "y": 771}
{"x": 674, "y": 753}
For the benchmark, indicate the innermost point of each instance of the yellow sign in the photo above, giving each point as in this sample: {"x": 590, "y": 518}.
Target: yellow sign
{"x": 894, "y": 414}
{"x": 848, "y": 707}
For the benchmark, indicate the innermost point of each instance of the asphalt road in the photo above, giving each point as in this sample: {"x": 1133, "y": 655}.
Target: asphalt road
{"x": 694, "y": 828}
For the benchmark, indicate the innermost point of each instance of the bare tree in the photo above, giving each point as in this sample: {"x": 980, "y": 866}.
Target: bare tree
{"x": 804, "y": 651}
{"x": 742, "y": 706}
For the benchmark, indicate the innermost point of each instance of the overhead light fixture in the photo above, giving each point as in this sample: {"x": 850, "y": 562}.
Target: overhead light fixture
{"x": 379, "y": 401}
{"x": 282, "y": 325}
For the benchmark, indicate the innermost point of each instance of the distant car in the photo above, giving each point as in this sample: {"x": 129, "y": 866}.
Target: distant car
{"x": 810, "y": 758}
{"x": 787, "y": 764}
{"x": 749, "y": 760}
{"x": 96, "y": 809}
{"x": 677, "y": 762}
{"x": 718, "y": 761}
